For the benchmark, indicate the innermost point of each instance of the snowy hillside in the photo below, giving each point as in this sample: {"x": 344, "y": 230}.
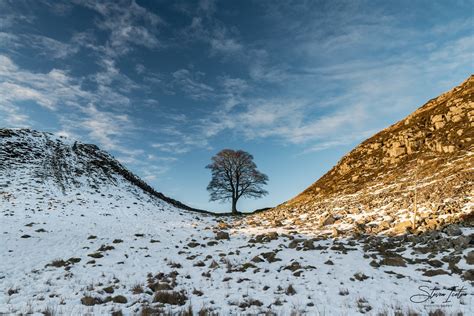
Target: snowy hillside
{"x": 98, "y": 244}
{"x": 63, "y": 165}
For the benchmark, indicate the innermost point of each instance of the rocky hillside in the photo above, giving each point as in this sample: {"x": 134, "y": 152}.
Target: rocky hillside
{"x": 420, "y": 169}
{"x": 64, "y": 165}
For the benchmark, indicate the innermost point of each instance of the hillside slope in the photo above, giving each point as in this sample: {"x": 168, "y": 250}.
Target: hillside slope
{"x": 372, "y": 188}
{"x": 64, "y": 165}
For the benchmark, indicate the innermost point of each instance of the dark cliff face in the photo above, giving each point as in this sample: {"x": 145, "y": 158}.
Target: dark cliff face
{"x": 65, "y": 163}
{"x": 432, "y": 149}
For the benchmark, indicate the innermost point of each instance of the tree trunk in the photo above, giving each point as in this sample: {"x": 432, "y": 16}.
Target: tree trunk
{"x": 234, "y": 206}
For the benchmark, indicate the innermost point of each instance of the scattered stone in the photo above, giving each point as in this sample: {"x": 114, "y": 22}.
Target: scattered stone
{"x": 453, "y": 230}
{"x": 360, "y": 276}
{"x": 293, "y": 266}
{"x": 270, "y": 256}
{"x": 435, "y": 263}
{"x": 431, "y": 273}
{"x": 470, "y": 257}
{"x": 469, "y": 275}
{"x": 396, "y": 261}
{"x": 257, "y": 259}
{"x": 119, "y": 299}
{"x": 108, "y": 290}
{"x": 222, "y": 235}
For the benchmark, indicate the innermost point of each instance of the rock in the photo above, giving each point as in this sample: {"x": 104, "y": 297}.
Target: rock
{"x": 449, "y": 149}
{"x": 263, "y": 238}
{"x": 432, "y": 224}
{"x": 469, "y": 275}
{"x": 470, "y": 257}
{"x": 453, "y": 230}
{"x": 461, "y": 242}
{"x": 402, "y": 227}
{"x": 193, "y": 244}
{"x": 213, "y": 265}
{"x": 396, "y": 151}
{"x": 222, "y": 235}
{"x": 257, "y": 259}
{"x": 451, "y": 259}
{"x": 293, "y": 266}
{"x": 393, "y": 261}
{"x": 360, "y": 276}
{"x": 329, "y": 262}
{"x": 431, "y": 273}
{"x": 327, "y": 220}
{"x": 277, "y": 223}
{"x": 439, "y": 125}
{"x": 435, "y": 263}
{"x": 294, "y": 243}
{"x": 119, "y": 299}
{"x": 270, "y": 256}
{"x": 308, "y": 245}
{"x": 374, "y": 264}
{"x": 222, "y": 225}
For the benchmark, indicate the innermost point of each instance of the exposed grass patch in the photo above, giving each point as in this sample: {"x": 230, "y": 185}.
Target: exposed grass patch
{"x": 170, "y": 297}
{"x": 363, "y": 305}
{"x": 119, "y": 299}
{"x": 91, "y": 301}
{"x": 58, "y": 263}
{"x": 290, "y": 290}
{"x": 250, "y": 302}
{"x": 137, "y": 289}
{"x": 343, "y": 292}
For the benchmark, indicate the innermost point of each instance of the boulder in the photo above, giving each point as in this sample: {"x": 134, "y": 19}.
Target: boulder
{"x": 453, "y": 230}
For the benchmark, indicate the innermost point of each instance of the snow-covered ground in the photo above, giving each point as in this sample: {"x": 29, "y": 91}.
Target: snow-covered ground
{"x": 147, "y": 237}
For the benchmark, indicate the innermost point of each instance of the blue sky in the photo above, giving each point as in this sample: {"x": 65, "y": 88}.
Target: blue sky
{"x": 164, "y": 85}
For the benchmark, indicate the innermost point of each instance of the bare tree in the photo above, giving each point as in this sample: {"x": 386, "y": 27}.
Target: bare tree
{"x": 235, "y": 175}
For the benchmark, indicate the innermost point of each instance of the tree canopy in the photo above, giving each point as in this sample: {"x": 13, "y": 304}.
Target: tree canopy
{"x": 235, "y": 175}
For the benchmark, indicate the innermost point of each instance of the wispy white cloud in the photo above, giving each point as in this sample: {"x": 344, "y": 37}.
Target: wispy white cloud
{"x": 44, "y": 46}
{"x": 206, "y": 27}
{"x": 47, "y": 89}
{"x": 62, "y": 94}
{"x": 191, "y": 84}
{"x": 127, "y": 24}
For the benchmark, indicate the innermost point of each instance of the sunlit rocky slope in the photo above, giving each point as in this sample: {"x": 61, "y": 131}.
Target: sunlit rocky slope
{"x": 425, "y": 160}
